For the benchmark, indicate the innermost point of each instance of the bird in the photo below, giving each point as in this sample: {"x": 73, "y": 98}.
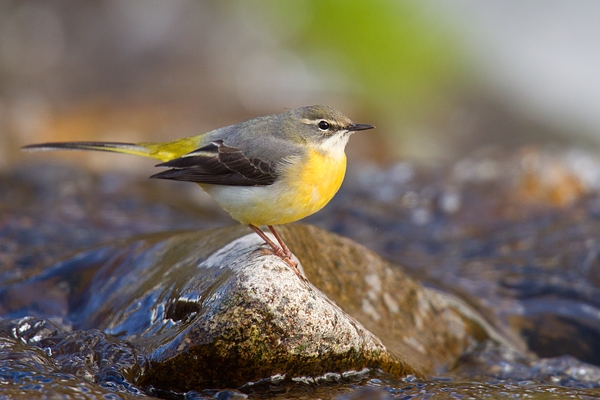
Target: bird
{"x": 265, "y": 171}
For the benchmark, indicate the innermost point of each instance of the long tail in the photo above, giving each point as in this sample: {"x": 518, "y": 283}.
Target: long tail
{"x": 160, "y": 151}
{"x": 127, "y": 148}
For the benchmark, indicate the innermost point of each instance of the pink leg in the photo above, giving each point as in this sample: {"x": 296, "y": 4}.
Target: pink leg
{"x": 282, "y": 252}
{"x": 286, "y": 249}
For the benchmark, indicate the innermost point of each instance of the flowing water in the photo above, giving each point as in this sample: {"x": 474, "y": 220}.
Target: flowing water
{"x": 514, "y": 235}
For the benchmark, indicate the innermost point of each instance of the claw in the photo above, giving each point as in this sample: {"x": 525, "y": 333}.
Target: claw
{"x": 281, "y": 251}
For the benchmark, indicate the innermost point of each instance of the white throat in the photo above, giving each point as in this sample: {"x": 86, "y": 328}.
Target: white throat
{"x": 335, "y": 145}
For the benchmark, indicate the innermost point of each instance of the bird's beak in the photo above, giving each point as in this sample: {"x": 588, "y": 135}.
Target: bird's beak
{"x": 360, "y": 127}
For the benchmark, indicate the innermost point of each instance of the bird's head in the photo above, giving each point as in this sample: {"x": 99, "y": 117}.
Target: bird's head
{"x": 324, "y": 128}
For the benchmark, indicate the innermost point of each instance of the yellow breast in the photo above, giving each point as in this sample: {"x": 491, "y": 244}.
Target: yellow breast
{"x": 303, "y": 188}
{"x": 316, "y": 182}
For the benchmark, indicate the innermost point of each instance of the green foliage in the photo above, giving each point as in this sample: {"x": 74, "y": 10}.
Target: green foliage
{"x": 391, "y": 52}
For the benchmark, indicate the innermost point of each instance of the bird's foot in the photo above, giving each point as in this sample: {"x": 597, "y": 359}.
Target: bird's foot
{"x": 288, "y": 258}
{"x": 281, "y": 251}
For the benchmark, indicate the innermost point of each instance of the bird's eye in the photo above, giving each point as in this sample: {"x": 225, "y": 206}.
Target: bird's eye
{"x": 323, "y": 125}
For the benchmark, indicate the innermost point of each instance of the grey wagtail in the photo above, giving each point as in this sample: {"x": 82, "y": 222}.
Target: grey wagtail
{"x": 267, "y": 170}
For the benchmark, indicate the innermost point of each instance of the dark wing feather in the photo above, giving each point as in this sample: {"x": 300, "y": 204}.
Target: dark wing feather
{"x": 219, "y": 164}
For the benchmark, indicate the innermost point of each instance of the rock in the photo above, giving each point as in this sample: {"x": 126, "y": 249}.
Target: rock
{"x": 250, "y": 318}
{"x": 209, "y": 309}
{"x": 430, "y": 329}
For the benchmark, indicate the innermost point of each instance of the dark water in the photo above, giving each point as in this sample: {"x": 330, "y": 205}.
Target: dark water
{"x": 517, "y": 242}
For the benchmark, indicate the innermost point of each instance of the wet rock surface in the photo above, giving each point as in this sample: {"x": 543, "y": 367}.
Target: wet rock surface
{"x": 512, "y": 235}
{"x": 254, "y": 319}
{"x": 207, "y": 310}
{"x": 428, "y": 327}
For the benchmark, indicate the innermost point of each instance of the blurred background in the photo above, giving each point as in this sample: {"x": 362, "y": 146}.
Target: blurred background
{"x": 439, "y": 78}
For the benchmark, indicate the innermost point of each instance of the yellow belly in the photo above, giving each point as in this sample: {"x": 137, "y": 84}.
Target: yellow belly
{"x": 302, "y": 189}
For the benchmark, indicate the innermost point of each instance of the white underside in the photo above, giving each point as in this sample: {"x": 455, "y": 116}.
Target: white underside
{"x": 257, "y": 205}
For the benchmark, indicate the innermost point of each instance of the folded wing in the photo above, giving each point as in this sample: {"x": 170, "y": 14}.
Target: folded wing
{"x": 219, "y": 164}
